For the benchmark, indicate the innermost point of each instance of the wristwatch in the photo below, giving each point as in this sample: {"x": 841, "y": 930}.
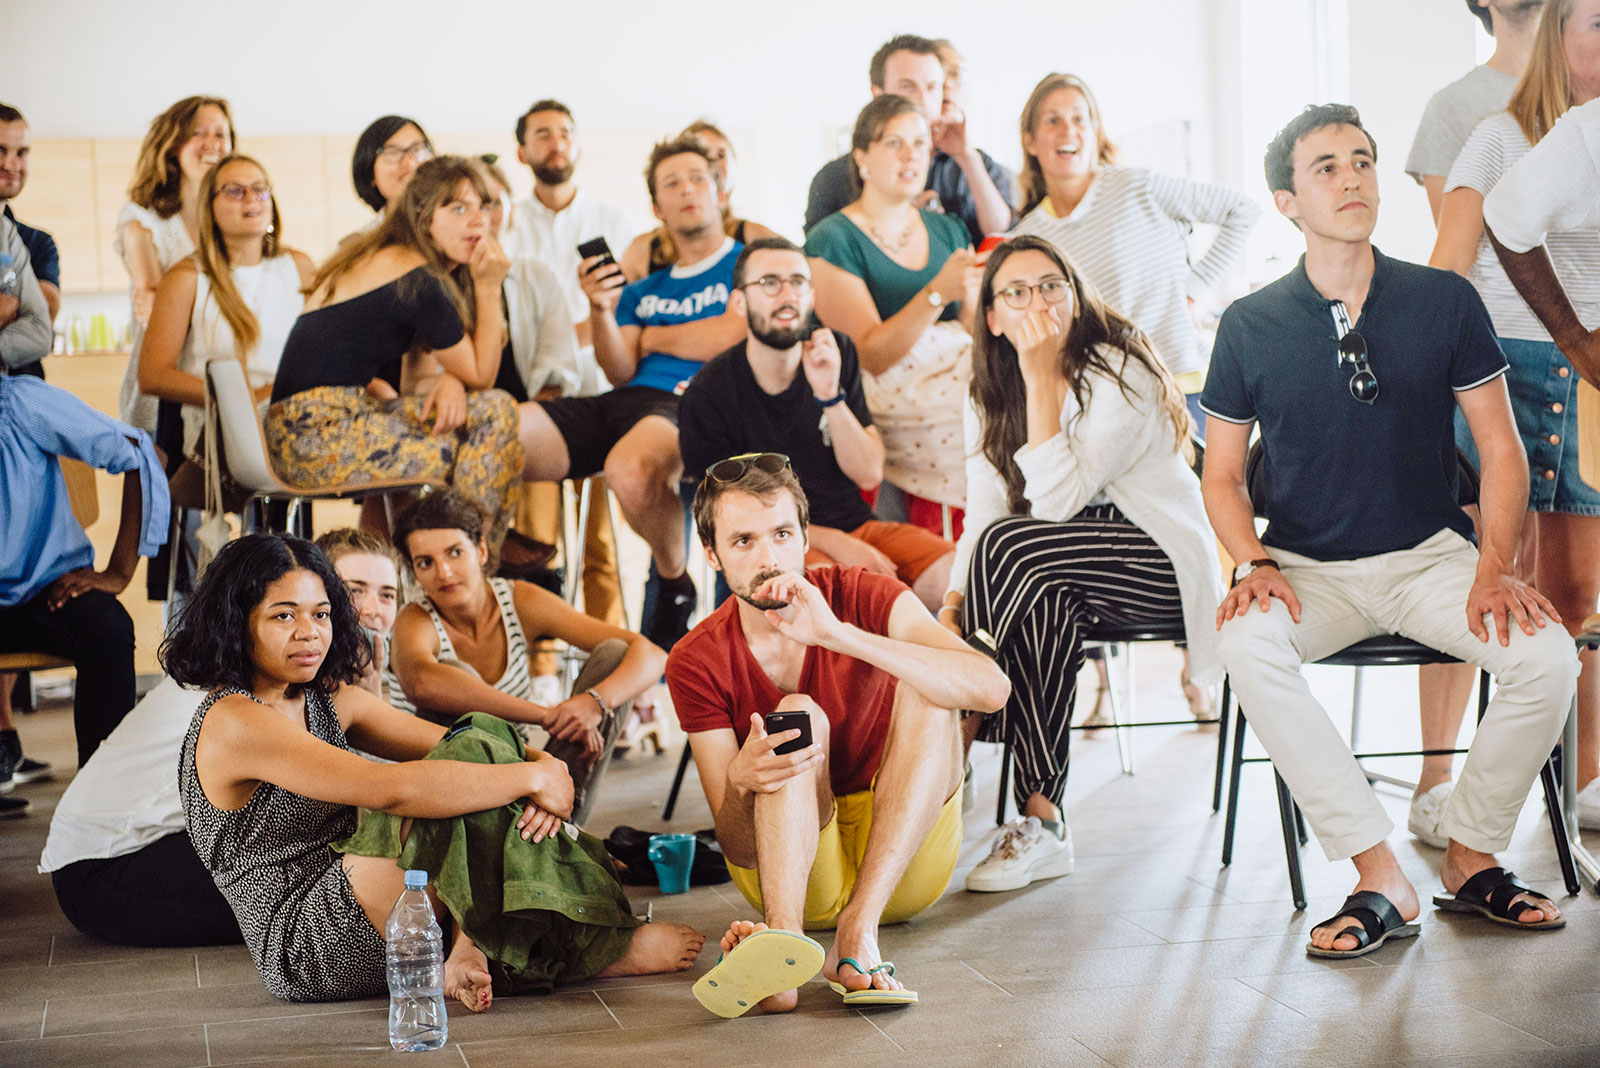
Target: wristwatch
{"x": 1244, "y": 570}
{"x": 935, "y": 300}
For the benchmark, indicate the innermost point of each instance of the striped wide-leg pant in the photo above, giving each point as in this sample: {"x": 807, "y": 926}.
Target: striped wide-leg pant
{"x": 1036, "y": 586}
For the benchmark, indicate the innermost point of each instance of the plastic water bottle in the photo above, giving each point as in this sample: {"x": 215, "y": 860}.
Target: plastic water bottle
{"x": 417, "y": 1019}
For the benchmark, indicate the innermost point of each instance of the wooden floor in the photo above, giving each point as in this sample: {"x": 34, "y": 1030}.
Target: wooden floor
{"x": 1150, "y": 954}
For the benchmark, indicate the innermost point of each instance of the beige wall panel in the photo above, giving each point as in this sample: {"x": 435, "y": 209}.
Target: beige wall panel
{"x": 114, "y": 158}
{"x": 60, "y": 198}
{"x": 295, "y": 167}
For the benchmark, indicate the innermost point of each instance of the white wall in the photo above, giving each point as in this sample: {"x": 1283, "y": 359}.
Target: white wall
{"x": 783, "y": 78}
{"x": 1185, "y": 85}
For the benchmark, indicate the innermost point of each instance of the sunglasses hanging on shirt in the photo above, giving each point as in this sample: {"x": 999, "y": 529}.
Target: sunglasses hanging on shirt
{"x": 1353, "y": 353}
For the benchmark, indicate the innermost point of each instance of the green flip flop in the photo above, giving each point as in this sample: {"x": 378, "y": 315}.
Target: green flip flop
{"x": 767, "y": 963}
{"x": 870, "y": 996}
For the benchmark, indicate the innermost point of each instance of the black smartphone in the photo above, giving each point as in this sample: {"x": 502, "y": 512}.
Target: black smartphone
{"x": 795, "y": 719}
{"x": 596, "y": 247}
{"x": 982, "y": 641}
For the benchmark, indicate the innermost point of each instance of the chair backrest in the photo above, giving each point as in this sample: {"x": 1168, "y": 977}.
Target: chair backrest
{"x": 244, "y": 447}
{"x": 81, "y": 491}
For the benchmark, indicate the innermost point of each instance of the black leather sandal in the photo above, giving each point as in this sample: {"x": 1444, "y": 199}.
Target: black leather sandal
{"x": 1489, "y": 893}
{"x": 1379, "y": 921}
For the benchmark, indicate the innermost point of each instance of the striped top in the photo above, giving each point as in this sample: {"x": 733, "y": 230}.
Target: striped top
{"x": 1128, "y": 237}
{"x": 1496, "y": 144}
{"x": 516, "y": 679}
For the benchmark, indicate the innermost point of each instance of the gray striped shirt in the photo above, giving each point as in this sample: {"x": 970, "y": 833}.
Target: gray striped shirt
{"x": 1128, "y": 237}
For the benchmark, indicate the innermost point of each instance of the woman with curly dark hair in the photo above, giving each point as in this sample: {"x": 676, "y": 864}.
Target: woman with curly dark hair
{"x": 271, "y": 787}
{"x": 1080, "y": 507}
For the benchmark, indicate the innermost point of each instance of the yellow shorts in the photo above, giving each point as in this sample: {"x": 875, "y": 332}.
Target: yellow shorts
{"x": 840, "y": 850}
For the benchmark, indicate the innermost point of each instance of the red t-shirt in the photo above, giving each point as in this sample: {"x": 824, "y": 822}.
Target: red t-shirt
{"x": 716, "y": 682}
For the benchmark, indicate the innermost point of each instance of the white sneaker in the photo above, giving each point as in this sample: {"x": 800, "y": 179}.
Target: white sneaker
{"x": 1589, "y": 806}
{"x": 1427, "y": 815}
{"x": 1023, "y": 851}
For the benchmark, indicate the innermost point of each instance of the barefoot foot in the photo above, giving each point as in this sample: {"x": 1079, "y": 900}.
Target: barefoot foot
{"x": 658, "y": 947}
{"x": 738, "y": 931}
{"x": 858, "y": 948}
{"x": 1393, "y": 886}
{"x": 466, "y": 976}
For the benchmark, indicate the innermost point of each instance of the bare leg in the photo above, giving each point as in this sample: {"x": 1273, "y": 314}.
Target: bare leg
{"x": 1569, "y": 546}
{"x": 932, "y": 583}
{"x": 921, "y": 768}
{"x": 643, "y": 469}
{"x": 787, "y": 823}
{"x": 466, "y": 973}
{"x": 8, "y": 682}
{"x": 544, "y": 450}
{"x": 1443, "y": 693}
{"x": 1376, "y": 870}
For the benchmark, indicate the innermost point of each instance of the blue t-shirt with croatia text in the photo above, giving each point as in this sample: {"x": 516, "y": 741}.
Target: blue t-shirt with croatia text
{"x": 673, "y": 296}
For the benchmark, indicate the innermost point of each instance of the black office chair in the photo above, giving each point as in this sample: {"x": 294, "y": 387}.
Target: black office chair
{"x": 1382, "y": 650}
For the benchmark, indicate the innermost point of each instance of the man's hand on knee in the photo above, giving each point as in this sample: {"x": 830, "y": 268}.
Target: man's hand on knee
{"x": 1261, "y": 585}
{"x": 758, "y": 769}
{"x": 1506, "y": 598}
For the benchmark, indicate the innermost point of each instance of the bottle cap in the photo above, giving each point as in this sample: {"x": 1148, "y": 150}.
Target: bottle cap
{"x": 416, "y": 880}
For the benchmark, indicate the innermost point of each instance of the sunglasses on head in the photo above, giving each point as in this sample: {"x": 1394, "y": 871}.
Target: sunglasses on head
{"x": 733, "y": 468}
{"x": 1363, "y": 383}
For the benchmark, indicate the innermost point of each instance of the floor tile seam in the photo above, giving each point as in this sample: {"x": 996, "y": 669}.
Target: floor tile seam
{"x": 985, "y": 978}
{"x": 210, "y": 1023}
{"x": 1511, "y": 1023}
{"x": 1544, "y": 1043}
{"x": 205, "y": 1031}
{"x": 868, "y": 1017}
{"x": 564, "y": 1034}
{"x": 601, "y": 999}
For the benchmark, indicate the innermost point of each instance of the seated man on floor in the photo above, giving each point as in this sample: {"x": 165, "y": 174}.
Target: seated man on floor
{"x": 780, "y": 390}
{"x": 52, "y": 600}
{"x": 649, "y": 339}
{"x": 1354, "y": 362}
{"x": 862, "y": 826}
{"x": 466, "y": 646}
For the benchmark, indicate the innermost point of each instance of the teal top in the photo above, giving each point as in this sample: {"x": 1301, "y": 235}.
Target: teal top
{"x": 844, "y": 244}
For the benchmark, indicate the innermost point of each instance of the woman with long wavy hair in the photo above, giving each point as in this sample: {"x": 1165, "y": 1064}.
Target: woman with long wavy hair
{"x": 1081, "y": 507}
{"x": 158, "y": 225}
{"x": 425, "y": 287}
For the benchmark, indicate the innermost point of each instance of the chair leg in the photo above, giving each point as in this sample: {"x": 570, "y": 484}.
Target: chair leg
{"x": 1222, "y": 746}
{"x": 1005, "y": 785}
{"x": 1288, "y": 814}
{"x": 1300, "y": 825}
{"x": 1558, "y": 826}
{"x": 1233, "y": 787}
{"x": 677, "y": 782}
{"x": 175, "y": 549}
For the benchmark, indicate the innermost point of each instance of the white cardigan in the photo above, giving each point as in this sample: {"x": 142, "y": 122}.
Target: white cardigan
{"x": 1121, "y": 448}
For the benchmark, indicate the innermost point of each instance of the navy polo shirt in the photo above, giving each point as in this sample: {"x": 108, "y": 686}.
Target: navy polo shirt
{"x": 1346, "y": 480}
{"x": 42, "y": 254}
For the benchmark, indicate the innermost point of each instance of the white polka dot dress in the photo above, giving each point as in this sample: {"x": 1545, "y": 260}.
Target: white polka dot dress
{"x": 271, "y": 859}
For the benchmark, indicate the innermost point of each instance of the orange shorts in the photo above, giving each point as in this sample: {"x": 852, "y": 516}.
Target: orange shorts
{"x": 912, "y": 548}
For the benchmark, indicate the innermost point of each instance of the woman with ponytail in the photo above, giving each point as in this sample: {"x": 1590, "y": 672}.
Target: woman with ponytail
{"x": 235, "y": 298}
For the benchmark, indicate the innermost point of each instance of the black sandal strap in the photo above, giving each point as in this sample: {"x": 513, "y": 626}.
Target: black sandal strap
{"x": 1376, "y": 914}
{"x": 1496, "y": 889}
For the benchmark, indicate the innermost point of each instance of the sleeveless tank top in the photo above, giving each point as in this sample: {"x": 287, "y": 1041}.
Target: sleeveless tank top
{"x": 305, "y": 930}
{"x": 271, "y": 289}
{"x": 516, "y": 679}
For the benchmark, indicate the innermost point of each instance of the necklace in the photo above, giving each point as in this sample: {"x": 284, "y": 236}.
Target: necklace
{"x": 884, "y": 243}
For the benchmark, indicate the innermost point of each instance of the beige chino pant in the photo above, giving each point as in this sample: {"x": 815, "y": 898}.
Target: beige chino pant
{"x": 1420, "y": 593}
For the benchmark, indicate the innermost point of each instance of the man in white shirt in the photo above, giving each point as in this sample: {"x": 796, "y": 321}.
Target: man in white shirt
{"x": 1455, "y": 110}
{"x": 549, "y": 226}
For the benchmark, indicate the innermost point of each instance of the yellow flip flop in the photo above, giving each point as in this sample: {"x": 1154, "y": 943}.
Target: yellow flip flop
{"x": 766, "y": 963}
{"x": 870, "y": 996}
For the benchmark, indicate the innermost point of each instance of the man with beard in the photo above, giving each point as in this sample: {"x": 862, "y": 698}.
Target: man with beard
{"x": 1458, "y": 107}
{"x": 649, "y": 339}
{"x": 787, "y": 390}
{"x": 548, "y": 227}
{"x": 863, "y": 825}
